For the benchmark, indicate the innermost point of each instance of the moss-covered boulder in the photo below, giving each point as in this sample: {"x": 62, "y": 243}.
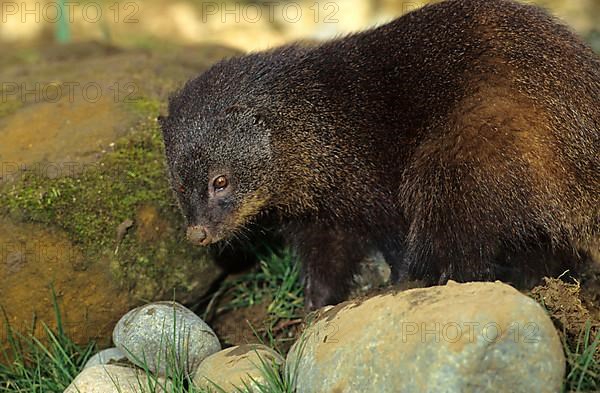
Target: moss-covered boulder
{"x": 85, "y": 205}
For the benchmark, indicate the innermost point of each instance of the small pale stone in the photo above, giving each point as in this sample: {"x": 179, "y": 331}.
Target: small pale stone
{"x": 232, "y": 367}
{"x": 165, "y": 335}
{"x": 467, "y": 338}
{"x": 374, "y": 273}
{"x": 116, "y": 379}
{"x": 106, "y": 356}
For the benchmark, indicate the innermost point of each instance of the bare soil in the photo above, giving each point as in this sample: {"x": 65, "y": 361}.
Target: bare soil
{"x": 572, "y": 305}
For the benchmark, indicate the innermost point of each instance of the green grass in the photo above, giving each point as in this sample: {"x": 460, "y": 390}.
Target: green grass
{"x": 273, "y": 284}
{"x": 45, "y": 365}
{"x": 583, "y": 374}
{"x": 276, "y": 282}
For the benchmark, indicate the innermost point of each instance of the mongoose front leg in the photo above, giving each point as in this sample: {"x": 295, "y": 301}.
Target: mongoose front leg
{"x": 330, "y": 257}
{"x": 394, "y": 256}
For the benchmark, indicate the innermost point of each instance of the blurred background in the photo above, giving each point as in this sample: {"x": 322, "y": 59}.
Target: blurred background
{"x": 247, "y": 25}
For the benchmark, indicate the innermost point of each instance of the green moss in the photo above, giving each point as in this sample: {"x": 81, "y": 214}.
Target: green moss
{"x": 144, "y": 106}
{"x": 8, "y": 106}
{"x": 86, "y": 205}
{"x": 90, "y": 207}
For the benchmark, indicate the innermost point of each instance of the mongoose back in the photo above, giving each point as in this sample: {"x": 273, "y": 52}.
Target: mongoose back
{"x": 452, "y": 139}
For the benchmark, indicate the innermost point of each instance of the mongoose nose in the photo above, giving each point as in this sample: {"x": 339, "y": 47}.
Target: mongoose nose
{"x": 197, "y": 235}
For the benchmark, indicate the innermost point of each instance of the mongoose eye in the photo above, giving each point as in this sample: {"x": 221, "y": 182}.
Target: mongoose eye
{"x": 220, "y": 183}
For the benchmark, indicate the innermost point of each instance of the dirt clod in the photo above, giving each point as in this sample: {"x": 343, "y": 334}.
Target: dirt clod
{"x": 568, "y": 305}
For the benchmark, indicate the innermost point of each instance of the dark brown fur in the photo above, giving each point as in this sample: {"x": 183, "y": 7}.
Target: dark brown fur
{"x": 453, "y": 139}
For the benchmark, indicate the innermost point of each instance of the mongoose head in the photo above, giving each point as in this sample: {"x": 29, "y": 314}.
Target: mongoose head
{"x": 219, "y": 159}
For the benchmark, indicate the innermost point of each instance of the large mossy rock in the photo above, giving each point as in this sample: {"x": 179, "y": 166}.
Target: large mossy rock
{"x": 85, "y": 206}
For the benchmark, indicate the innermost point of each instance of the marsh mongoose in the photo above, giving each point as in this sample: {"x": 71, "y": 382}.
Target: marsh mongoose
{"x": 453, "y": 137}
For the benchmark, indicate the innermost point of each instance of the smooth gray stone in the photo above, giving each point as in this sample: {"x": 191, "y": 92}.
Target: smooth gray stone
{"x": 106, "y": 356}
{"x": 165, "y": 335}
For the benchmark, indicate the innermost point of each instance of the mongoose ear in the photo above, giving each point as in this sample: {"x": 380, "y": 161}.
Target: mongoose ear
{"x": 257, "y": 116}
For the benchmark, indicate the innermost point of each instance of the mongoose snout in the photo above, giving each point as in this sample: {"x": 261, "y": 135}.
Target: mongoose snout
{"x": 198, "y": 235}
